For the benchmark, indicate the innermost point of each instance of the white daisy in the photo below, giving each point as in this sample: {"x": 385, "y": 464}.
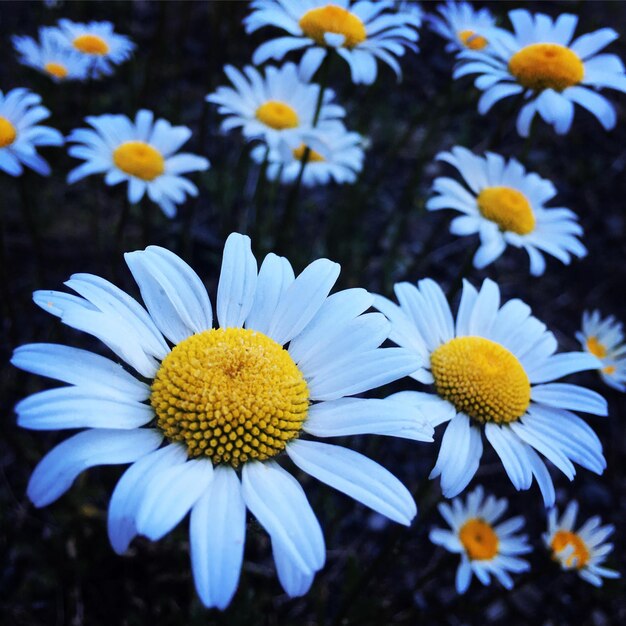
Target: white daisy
{"x": 582, "y": 550}
{"x": 20, "y": 110}
{"x": 276, "y": 105}
{"x": 486, "y": 548}
{"x": 140, "y": 152}
{"x": 99, "y": 43}
{"x": 553, "y": 72}
{"x": 493, "y": 371}
{"x": 225, "y": 400}
{"x": 506, "y": 205}
{"x": 462, "y": 25}
{"x": 361, "y": 33}
{"x": 604, "y": 338}
{"x": 52, "y": 56}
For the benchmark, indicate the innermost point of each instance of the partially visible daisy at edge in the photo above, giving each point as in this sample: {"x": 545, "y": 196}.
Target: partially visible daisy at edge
{"x": 584, "y": 550}
{"x": 604, "y": 338}
{"x": 553, "y": 73}
{"x": 20, "y": 135}
{"x": 462, "y": 25}
{"x": 492, "y": 372}
{"x": 143, "y": 153}
{"x": 486, "y": 547}
{"x": 361, "y": 33}
{"x": 505, "y": 205}
{"x": 226, "y": 402}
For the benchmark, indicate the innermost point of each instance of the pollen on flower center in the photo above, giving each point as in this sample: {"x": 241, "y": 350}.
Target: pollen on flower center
{"x": 482, "y": 379}
{"x": 479, "y": 539}
{"x": 278, "y": 115}
{"x": 91, "y": 44}
{"x": 298, "y": 153}
{"x": 231, "y": 394}
{"x": 471, "y": 40}
{"x": 315, "y": 23}
{"x": 567, "y": 540}
{"x": 508, "y": 208}
{"x": 595, "y": 347}
{"x": 546, "y": 66}
{"x": 56, "y": 69}
{"x": 139, "y": 159}
{"x": 7, "y": 132}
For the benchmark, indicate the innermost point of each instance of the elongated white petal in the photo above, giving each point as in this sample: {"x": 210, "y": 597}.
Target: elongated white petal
{"x": 512, "y": 454}
{"x": 566, "y": 396}
{"x": 295, "y": 581}
{"x": 560, "y": 365}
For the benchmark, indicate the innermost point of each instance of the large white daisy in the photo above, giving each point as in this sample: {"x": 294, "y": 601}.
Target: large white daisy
{"x": 142, "y": 153}
{"x": 552, "y": 72}
{"x": 504, "y": 204}
{"x": 225, "y": 401}
{"x": 361, "y": 33}
{"x": 462, "y": 25}
{"x": 486, "y": 547}
{"x": 20, "y": 135}
{"x": 492, "y": 371}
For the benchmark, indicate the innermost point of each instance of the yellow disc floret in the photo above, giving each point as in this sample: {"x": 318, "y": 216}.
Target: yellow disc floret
{"x": 91, "y": 44}
{"x": 231, "y": 394}
{"x": 595, "y": 347}
{"x": 56, "y": 69}
{"x": 567, "y": 540}
{"x": 479, "y": 539}
{"x": 482, "y": 379}
{"x": 546, "y": 66}
{"x": 277, "y": 114}
{"x": 7, "y": 132}
{"x": 315, "y": 23}
{"x": 609, "y": 369}
{"x": 139, "y": 159}
{"x": 471, "y": 40}
{"x": 508, "y": 208}
{"x": 314, "y": 157}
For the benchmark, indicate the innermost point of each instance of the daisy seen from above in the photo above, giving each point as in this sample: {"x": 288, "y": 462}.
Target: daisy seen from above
{"x": 487, "y": 547}
{"x": 143, "y": 153}
{"x": 493, "y": 373}
{"x": 361, "y": 33}
{"x": 553, "y": 71}
{"x": 505, "y": 205}
{"x": 583, "y": 550}
{"x": 462, "y": 25}
{"x": 225, "y": 402}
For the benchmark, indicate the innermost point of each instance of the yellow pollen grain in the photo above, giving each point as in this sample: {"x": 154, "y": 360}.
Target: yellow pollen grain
{"x": 315, "y": 23}
{"x": 479, "y": 539}
{"x": 56, "y": 69}
{"x": 508, "y": 208}
{"x": 566, "y": 539}
{"x": 595, "y": 347}
{"x": 482, "y": 379}
{"x": 7, "y": 132}
{"x": 278, "y": 115}
{"x": 139, "y": 159}
{"x": 231, "y": 395}
{"x": 546, "y": 66}
{"x": 91, "y": 44}
{"x": 471, "y": 40}
{"x": 314, "y": 157}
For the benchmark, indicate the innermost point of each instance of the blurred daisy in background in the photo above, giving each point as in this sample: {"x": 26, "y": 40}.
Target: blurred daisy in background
{"x": 582, "y": 550}
{"x": 493, "y": 371}
{"x": 462, "y": 25}
{"x": 142, "y": 153}
{"x": 604, "y": 338}
{"x": 553, "y": 72}
{"x": 504, "y": 204}
{"x": 20, "y": 110}
{"x": 51, "y": 56}
{"x": 277, "y": 104}
{"x": 225, "y": 401}
{"x": 487, "y": 548}
{"x": 362, "y": 33}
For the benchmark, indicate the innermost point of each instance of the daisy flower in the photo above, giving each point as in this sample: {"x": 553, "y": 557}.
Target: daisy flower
{"x": 20, "y": 110}
{"x": 98, "y": 43}
{"x": 582, "y": 550}
{"x": 462, "y": 25}
{"x": 553, "y": 72}
{"x": 225, "y": 402}
{"x": 141, "y": 153}
{"x": 604, "y": 338}
{"x": 277, "y": 104}
{"x": 51, "y": 56}
{"x": 486, "y": 547}
{"x": 504, "y": 204}
{"x": 361, "y": 33}
{"x": 492, "y": 373}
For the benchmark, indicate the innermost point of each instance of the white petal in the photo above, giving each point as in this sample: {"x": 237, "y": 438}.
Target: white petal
{"x": 566, "y": 396}
{"x": 295, "y": 581}
{"x": 512, "y": 454}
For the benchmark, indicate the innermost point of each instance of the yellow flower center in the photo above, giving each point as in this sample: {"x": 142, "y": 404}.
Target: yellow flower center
{"x": 56, "y": 69}
{"x": 7, "y": 132}
{"x": 564, "y": 539}
{"x": 479, "y": 539}
{"x": 91, "y": 44}
{"x": 508, "y": 208}
{"x": 595, "y": 347}
{"x": 609, "y": 369}
{"x": 315, "y": 23}
{"x": 482, "y": 379}
{"x": 278, "y": 115}
{"x": 231, "y": 394}
{"x": 314, "y": 156}
{"x": 471, "y": 40}
{"x": 546, "y": 66}
{"x": 139, "y": 159}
